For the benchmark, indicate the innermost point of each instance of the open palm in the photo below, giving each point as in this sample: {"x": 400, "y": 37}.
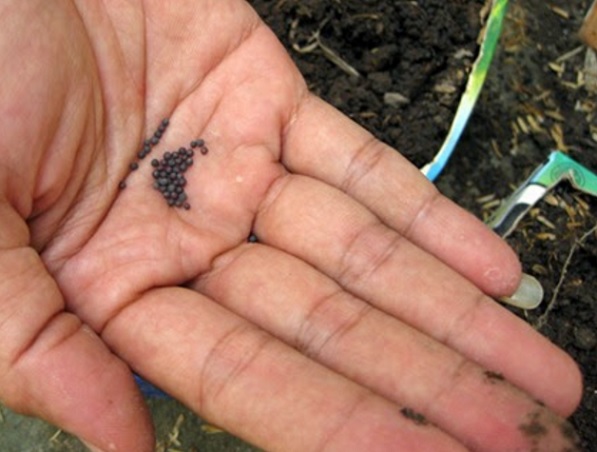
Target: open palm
{"x": 361, "y": 309}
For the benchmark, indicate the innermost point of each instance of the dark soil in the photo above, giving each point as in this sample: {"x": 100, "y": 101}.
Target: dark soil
{"x": 412, "y": 59}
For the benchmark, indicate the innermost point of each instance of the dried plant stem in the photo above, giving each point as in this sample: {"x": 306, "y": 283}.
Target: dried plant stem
{"x": 315, "y": 43}
{"x": 542, "y": 320}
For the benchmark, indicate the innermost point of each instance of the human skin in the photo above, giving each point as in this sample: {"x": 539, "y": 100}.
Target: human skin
{"x": 367, "y": 293}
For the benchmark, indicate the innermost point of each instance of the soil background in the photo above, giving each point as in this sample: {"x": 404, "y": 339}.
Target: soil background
{"x": 399, "y": 68}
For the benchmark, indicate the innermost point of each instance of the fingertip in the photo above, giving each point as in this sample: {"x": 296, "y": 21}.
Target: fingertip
{"x": 69, "y": 378}
{"x": 121, "y": 420}
{"x": 502, "y": 271}
{"x": 466, "y": 244}
{"x": 571, "y": 386}
{"x": 502, "y": 278}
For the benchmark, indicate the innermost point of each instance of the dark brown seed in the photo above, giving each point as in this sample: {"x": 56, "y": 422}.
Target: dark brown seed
{"x": 154, "y": 140}
{"x": 186, "y": 206}
{"x": 204, "y": 150}
{"x": 122, "y": 185}
{"x": 134, "y": 166}
{"x": 143, "y": 153}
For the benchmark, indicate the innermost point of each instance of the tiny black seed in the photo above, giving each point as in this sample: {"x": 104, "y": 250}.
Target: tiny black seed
{"x": 165, "y": 122}
{"x": 155, "y": 163}
{"x": 122, "y": 185}
{"x": 158, "y": 134}
{"x": 167, "y": 156}
{"x": 147, "y": 142}
{"x": 197, "y": 143}
{"x": 186, "y": 206}
{"x": 163, "y": 181}
{"x": 204, "y": 150}
{"x": 154, "y": 140}
{"x": 190, "y": 153}
{"x": 133, "y": 166}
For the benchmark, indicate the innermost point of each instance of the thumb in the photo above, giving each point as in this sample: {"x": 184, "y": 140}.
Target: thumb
{"x": 55, "y": 367}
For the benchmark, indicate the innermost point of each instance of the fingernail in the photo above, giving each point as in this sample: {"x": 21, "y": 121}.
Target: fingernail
{"x": 528, "y": 295}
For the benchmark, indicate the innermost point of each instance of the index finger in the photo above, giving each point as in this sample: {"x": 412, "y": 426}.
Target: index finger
{"x": 323, "y": 143}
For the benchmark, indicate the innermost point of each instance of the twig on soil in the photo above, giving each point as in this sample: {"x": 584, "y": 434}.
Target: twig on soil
{"x": 55, "y": 436}
{"x": 315, "y": 43}
{"x": 542, "y": 320}
{"x": 564, "y": 14}
{"x": 571, "y": 54}
{"x": 173, "y": 434}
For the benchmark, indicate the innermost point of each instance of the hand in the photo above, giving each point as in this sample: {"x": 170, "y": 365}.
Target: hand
{"x": 360, "y": 321}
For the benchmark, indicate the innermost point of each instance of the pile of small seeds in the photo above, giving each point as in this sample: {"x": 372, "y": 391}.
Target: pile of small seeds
{"x": 169, "y": 179}
{"x": 168, "y": 172}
